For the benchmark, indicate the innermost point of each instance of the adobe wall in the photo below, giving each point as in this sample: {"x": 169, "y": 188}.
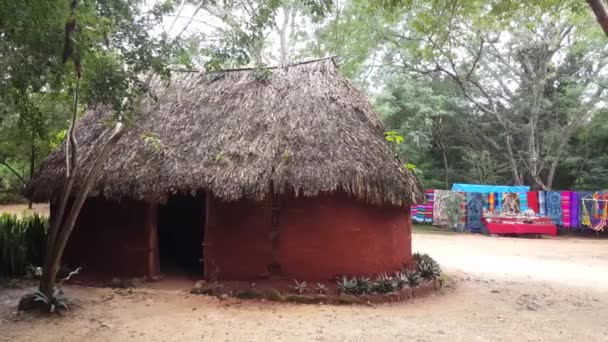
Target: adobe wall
{"x": 110, "y": 239}
{"x": 318, "y": 238}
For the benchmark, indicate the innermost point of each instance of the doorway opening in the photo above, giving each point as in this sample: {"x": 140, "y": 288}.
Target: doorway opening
{"x": 181, "y": 232}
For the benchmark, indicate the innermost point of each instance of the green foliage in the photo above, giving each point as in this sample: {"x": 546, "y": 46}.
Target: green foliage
{"x": 347, "y": 286}
{"x": 393, "y": 137}
{"x": 261, "y": 74}
{"x": 401, "y": 280}
{"x": 22, "y": 242}
{"x": 429, "y": 268}
{"x": 384, "y": 283}
{"x": 412, "y": 277}
{"x": 426, "y": 266}
{"x": 153, "y": 140}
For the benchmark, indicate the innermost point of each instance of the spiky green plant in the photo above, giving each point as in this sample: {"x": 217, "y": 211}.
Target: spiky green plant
{"x": 413, "y": 278}
{"x": 22, "y": 241}
{"x": 400, "y": 280}
{"x": 347, "y": 286}
{"x": 321, "y": 288}
{"x": 364, "y": 285}
{"x": 429, "y": 268}
{"x": 300, "y": 287}
{"x": 384, "y": 284}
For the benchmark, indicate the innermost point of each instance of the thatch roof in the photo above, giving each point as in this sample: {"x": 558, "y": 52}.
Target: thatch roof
{"x": 306, "y": 129}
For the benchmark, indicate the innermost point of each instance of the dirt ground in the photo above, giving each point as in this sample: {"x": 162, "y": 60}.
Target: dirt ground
{"x": 21, "y": 209}
{"x": 505, "y": 289}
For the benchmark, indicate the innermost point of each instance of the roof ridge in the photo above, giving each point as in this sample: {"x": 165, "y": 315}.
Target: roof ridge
{"x": 315, "y": 60}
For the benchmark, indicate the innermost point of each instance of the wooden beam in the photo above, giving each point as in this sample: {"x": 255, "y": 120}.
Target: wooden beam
{"x": 152, "y": 229}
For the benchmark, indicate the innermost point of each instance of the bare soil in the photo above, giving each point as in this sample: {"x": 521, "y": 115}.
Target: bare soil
{"x": 503, "y": 289}
{"x": 21, "y": 209}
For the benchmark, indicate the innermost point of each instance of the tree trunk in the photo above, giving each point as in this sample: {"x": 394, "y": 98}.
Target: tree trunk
{"x": 32, "y": 162}
{"x": 47, "y": 283}
{"x": 283, "y": 37}
{"x": 601, "y": 13}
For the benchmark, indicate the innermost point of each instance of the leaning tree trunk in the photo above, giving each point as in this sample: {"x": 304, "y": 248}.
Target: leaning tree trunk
{"x": 47, "y": 283}
{"x": 601, "y": 13}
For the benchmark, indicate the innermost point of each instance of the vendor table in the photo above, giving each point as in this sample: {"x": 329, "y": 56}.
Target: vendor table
{"x": 520, "y": 225}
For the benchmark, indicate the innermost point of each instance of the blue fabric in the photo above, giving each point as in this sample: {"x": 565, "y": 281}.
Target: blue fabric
{"x": 498, "y": 202}
{"x": 523, "y": 201}
{"x": 553, "y": 202}
{"x": 475, "y": 203}
{"x": 485, "y": 189}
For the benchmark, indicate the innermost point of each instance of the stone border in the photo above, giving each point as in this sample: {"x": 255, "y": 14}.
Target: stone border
{"x": 342, "y": 299}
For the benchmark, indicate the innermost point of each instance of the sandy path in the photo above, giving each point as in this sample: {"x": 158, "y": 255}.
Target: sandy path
{"x": 488, "y": 304}
{"x": 20, "y": 209}
{"x": 581, "y": 262}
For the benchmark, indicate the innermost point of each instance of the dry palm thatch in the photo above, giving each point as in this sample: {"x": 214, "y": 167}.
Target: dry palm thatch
{"x": 306, "y": 129}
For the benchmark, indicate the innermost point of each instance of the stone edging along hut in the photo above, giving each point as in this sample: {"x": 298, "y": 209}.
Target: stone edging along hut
{"x": 243, "y": 179}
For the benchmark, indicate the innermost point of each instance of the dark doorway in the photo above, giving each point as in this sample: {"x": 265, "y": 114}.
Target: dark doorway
{"x": 181, "y": 230}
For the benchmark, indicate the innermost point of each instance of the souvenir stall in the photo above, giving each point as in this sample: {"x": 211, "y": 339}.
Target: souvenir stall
{"x": 500, "y": 209}
{"x": 504, "y": 210}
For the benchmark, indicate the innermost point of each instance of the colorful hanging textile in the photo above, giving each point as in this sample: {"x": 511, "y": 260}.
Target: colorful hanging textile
{"x": 498, "y": 202}
{"x": 428, "y": 208}
{"x": 475, "y": 204}
{"x": 533, "y": 201}
{"x": 574, "y": 206}
{"x": 542, "y": 205}
{"x": 565, "y": 204}
{"x": 491, "y": 202}
{"x": 585, "y": 206}
{"x": 523, "y": 201}
{"x": 448, "y": 209}
{"x": 554, "y": 206}
{"x": 510, "y": 202}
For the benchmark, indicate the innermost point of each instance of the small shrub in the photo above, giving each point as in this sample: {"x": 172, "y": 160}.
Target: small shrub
{"x": 429, "y": 268}
{"x": 22, "y": 243}
{"x": 320, "y": 288}
{"x": 400, "y": 280}
{"x": 364, "y": 286}
{"x": 413, "y": 278}
{"x": 347, "y": 286}
{"x": 300, "y": 287}
{"x": 384, "y": 284}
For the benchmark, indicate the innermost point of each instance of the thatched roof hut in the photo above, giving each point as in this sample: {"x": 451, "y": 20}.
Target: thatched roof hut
{"x": 306, "y": 129}
{"x": 289, "y": 176}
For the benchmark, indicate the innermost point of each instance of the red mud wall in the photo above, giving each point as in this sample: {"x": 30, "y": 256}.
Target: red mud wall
{"x": 237, "y": 240}
{"x": 328, "y": 236}
{"x": 110, "y": 239}
{"x": 319, "y": 238}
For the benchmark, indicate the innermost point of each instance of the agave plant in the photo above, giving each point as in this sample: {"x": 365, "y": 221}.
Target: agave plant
{"x": 384, "y": 284}
{"x": 413, "y": 278}
{"x": 300, "y": 287}
{"x": 347, "y": 286}
{"x": 321, "y": 288}
{"x": 429, "y": 268}
{"x": 54, "y": 304}
{"x": 400, "y": 280}
{"x": 364, "y": 285}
